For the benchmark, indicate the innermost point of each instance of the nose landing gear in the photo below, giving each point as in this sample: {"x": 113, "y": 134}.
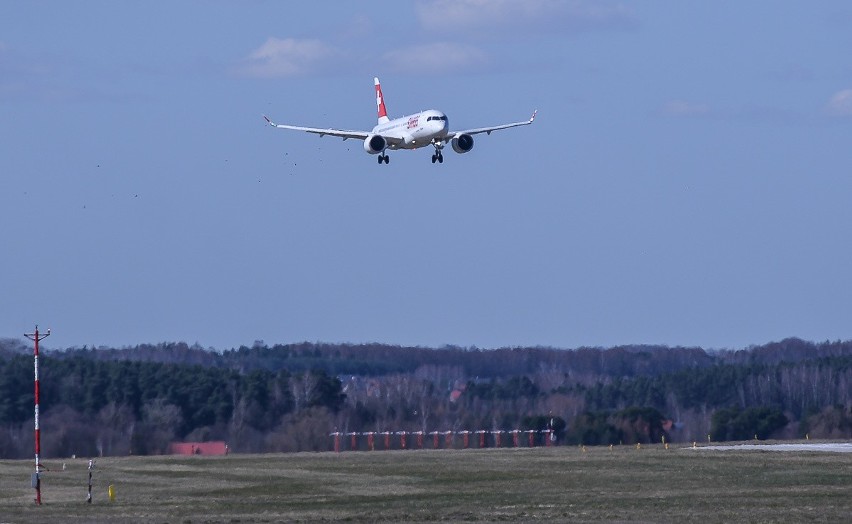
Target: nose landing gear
{"x": 383, "y": 158}
{"x": 438, "y": 156}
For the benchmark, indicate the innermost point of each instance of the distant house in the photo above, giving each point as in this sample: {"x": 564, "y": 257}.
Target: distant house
{"x": 216, "y": 447}
{"x": 457, "y": 391}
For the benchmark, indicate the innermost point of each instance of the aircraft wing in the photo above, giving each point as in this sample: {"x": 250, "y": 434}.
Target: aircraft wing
{"x": 494, "y": 128}
{"x": 339, "y": 133}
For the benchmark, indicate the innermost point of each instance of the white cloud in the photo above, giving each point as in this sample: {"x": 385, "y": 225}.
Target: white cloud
{"x": 295, "y": 57}
{"x": 523, "y": 15}
{"x": 289, "y": 57}
{"x": 840, "y": 104}
{"x": 685, "y": 109}
{"x": 438, "y": 57}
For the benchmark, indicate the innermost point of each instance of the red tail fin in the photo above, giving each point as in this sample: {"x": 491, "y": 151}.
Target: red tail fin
{"x": 380, "y": 103}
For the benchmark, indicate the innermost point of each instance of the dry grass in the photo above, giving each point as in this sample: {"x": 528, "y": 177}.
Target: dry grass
{"x": 563, "y": 484}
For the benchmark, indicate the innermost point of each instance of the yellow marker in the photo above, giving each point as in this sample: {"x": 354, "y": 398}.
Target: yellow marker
{"x": 638, "y": 445}
{"x": 111, "y": 492}
{"x": 667, "y": 445}
{"x": 610, "y": 447}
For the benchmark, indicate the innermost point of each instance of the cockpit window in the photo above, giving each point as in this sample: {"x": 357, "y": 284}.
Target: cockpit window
{"x": 436, "y": 118}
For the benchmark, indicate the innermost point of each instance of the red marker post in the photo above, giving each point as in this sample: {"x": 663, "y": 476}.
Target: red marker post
{"x": 36, "y": 337}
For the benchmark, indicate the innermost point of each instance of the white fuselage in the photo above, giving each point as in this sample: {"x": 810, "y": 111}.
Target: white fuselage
{"x": 417, "y": 130}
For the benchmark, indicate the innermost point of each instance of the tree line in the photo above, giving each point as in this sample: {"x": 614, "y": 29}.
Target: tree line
{"x": 136, "y": 400}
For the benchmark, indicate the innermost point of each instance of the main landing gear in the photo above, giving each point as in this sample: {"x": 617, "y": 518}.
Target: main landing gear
{"x": 383, "y": 158}
{"x": 438, "y": 156}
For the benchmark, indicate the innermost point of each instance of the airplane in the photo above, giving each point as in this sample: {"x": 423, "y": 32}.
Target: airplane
{"x": 408, "y": 132}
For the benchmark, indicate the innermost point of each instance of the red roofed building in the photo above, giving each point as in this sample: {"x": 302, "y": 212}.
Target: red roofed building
{"x": 217, "y": 447}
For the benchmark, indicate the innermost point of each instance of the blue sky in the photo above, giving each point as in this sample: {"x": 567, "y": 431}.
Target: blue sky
{"x": 687, "y": 180}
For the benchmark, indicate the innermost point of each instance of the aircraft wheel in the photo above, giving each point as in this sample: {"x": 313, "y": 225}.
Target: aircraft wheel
{"x": 440, "y": 159}
{"x": 434, "y": 158}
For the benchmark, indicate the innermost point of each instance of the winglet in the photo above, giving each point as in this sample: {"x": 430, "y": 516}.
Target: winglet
{"x": 268, "y": 121}
{"x": 533, "y": 116}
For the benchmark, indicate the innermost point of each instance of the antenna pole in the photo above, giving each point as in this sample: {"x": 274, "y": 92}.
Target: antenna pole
{"x": 36, "y": 337}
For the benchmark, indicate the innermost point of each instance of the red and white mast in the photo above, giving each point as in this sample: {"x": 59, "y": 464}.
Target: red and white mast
{"x": 36, "y": 337}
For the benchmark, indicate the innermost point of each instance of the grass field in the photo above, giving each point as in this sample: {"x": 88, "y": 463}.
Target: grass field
{"x": 562, "y": 483}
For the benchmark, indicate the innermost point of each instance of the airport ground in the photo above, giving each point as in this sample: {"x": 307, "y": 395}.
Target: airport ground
{"x": 651, "y": 484}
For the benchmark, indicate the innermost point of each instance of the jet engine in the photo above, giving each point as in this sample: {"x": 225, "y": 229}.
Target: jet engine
{"x": 462, "y": 143}
{"x": 375, "y": 144}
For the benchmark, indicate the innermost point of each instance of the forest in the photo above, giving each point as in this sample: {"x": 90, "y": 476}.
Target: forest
{"x": 137, "y": 400}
